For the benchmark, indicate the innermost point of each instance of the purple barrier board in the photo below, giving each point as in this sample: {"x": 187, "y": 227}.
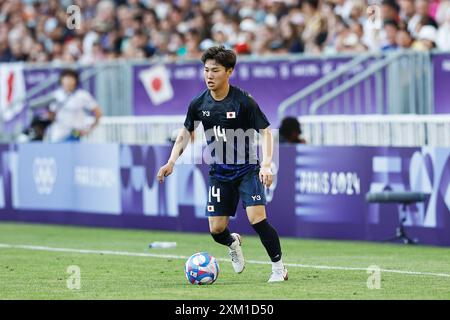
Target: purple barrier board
{"x": 269, "y": 82}
{"x": 318, "y": 192}
{"x": 441, "y": 81}
{"x": 273, "y": 81}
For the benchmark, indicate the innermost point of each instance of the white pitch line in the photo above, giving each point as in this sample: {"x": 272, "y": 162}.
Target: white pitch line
{"x": 171, "y": 256}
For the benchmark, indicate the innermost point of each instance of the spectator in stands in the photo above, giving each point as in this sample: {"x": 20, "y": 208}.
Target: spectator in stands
{"x": 426, "y": 39}
{"x": 69, "y": 111}
{"x": 441, "y": 11}
{"x": 36, "y": 31}
{"x": 290, "y": 38}
{"x": 336, "y": 24}
{"x": 342, "y": 8}
{"x": 407, "y": 10}
{"x": 404, "y": 39}
{"x": 390, "y": 28}
{"x": 290, "y": 131}
{"x": 390, "y": 10}
{"x": 315, "y": 24}
{"x": 443, "y": 35}
{"x": 350, "y": 39}
{"x": 5, "y": 52}
{"x": 193, "y": 45}
{"x": 421, "y": 18}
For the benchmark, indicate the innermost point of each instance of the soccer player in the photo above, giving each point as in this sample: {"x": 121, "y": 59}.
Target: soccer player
{"x": 227, "y": 112}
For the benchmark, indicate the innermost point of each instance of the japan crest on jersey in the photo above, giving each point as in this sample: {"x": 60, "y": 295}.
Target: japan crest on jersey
{"x": 231, "y": 115}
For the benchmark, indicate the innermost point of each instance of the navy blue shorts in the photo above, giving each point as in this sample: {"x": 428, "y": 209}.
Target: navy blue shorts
{"x": 223, "y": 196}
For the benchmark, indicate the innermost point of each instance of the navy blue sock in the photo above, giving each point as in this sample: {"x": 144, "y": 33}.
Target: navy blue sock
{"x": 269, "y": 238}
{"x": 224, "y": 237}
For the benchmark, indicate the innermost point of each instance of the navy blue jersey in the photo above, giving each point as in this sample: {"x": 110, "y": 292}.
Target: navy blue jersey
{"x": 230, "y": 127}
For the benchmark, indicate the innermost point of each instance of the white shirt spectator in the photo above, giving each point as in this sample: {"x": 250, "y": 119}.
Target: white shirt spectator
{"x": 443, "y": 35}
{"x": 72, "y": 113}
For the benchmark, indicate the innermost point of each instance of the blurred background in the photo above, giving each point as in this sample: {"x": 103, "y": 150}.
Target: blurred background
{"x": 357, "y": 93}
{"x": 36, "y": 31}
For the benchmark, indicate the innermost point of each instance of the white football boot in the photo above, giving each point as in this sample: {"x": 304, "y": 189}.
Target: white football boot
{"x": 235, "y": 252}
{"x": 278, "y": 275}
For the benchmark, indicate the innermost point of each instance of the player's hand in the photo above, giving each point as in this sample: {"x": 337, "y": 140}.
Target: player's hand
{"x": 265, "y": 175}
{"x": 164, "y": 171}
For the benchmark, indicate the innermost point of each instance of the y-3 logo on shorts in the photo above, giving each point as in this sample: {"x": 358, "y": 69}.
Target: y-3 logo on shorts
{"x": 257, "y": 197}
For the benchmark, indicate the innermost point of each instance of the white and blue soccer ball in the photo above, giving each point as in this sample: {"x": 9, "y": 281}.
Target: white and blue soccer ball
{"x": 201, "y": 268}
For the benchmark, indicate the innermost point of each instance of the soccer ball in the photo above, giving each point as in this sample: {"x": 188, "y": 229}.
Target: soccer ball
{"x": 201, "y": 268}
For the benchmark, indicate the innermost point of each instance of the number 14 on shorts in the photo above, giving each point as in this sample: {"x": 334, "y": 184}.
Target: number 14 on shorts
{"x": 213, "y": 192}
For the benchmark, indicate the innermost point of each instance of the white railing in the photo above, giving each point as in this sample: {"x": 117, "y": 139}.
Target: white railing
{"x": 366, "y": 130}
{"x": 137, "y": 129}
{"x": 377, "y": 130}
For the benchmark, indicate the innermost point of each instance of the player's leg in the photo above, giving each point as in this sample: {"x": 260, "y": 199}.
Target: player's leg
{"x": 222, "y": 203}
{"x": 253, "y": 198}
{"x": 270, "y": 240}
{"x": 218, "y": 227}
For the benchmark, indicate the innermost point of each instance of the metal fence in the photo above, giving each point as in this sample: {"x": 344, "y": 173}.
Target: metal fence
{"x": 402, "y": 85}
{"x": 112, "y": 82}
{"x": 377, "y": 130}
{"x": 364, "y": 130}
{"x": 398, "y": 82}
{"x": 137, "y": 130}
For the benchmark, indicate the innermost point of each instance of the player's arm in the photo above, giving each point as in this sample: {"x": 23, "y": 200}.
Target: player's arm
{"x": 181, "y": 142}
{"x": 258, "y": 121}
{"x": 265, "y": 173}
{"x": 184, "y": 136}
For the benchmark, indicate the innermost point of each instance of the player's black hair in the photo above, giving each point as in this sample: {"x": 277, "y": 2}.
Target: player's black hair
{"x": 222, "y": 56}
{"x": 69, "y": 73}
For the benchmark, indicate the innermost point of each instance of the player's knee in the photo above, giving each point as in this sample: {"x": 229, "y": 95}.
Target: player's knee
{"x": 256, "y": 219}
{"x": 217, "y": 228}
{"x": 256, "y": 215}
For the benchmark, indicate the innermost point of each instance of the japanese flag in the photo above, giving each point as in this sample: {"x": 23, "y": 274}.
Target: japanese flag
{"x": 12, "y": 90}
{"x": 210, "y": 208}
{"x": 231, "y": 115}
{"x": 157, "y": 84}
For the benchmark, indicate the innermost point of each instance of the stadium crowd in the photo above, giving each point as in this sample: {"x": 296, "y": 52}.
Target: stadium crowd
{"x": 37, "y": 30}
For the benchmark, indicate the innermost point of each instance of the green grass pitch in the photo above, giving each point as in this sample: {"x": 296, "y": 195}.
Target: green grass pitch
{"x": 42, "y": 274}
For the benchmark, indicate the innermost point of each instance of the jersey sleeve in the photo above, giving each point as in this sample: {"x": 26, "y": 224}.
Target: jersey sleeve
{"x": 257, "y": 119}
{"x": 192, "y": 121}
